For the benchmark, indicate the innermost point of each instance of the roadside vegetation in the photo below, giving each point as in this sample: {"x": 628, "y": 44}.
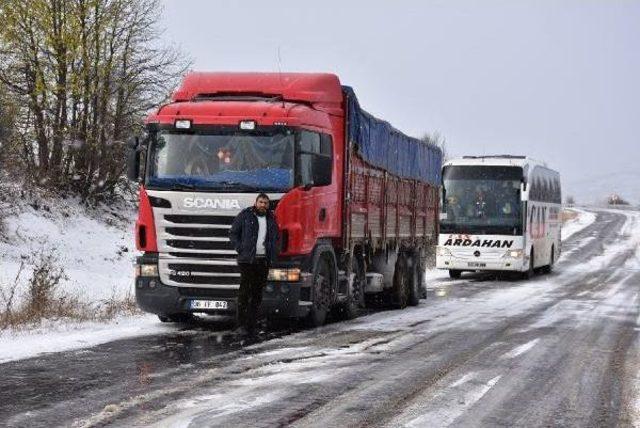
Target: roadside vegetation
{"x": 41, "y": 298}
{"x": 76, "y": 79}
{"x": 81, "y": 75}
{"x": 568, "y": 215}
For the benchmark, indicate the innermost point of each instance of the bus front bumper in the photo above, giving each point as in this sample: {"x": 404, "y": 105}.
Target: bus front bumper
{"x": 467, "y": 264}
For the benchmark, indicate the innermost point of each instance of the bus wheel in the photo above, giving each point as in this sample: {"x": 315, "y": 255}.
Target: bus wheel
{"x": 401, "y": 283}
{"x": 454, "y": 274}
{"x": 528, "y": 274}
{"x": 548, "y": 268}
{"x": 322, "y": 280}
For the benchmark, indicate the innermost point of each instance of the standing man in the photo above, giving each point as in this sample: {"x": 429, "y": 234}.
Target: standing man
{"x": 253, "y": 235}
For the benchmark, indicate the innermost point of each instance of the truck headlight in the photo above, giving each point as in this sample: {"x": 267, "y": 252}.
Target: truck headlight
{"x": 284, "y": 275}
{"x": 514, "y": 254}
{"x": 147, "y": 270}
{"x": 442, "y": 251}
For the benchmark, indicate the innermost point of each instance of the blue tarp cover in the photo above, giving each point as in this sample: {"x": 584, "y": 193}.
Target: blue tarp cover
{"x": 385, "y": 147}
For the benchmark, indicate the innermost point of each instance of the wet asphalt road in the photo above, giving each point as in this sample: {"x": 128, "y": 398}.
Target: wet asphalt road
{"x": 560, "y": 350}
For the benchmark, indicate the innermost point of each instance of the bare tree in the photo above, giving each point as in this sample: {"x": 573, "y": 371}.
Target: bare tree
{"x": 85, "y": 72}
{"x": 438, "y": 140}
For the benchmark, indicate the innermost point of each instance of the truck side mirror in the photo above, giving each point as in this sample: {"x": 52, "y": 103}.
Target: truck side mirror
{"x": 133, "y": 159}
{"x": 322, "y": 169}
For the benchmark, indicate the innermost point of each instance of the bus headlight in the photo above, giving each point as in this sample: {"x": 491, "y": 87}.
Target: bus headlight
{"x": 442, "y": 251}
{"x": 514, "y": 254}
{"x": 284, "y": 275}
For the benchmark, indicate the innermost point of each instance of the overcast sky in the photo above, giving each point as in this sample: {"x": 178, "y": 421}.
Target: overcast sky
{"x": 555, "y": 80}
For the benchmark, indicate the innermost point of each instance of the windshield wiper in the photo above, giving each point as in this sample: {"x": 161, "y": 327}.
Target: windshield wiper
{"x": 242, "y": 186}
{"x": 182, "y": 186}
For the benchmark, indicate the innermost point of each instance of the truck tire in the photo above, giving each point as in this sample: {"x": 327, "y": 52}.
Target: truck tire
{"x": 323, "y": 278}
{"x": 454, "y": 274}
{"x": 401, "y": 283}
{"x": 355, "y": 301}
{"x": 415, "y": 281}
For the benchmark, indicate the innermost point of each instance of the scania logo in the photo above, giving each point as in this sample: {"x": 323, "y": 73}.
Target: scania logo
{"x": 226, "y": 204}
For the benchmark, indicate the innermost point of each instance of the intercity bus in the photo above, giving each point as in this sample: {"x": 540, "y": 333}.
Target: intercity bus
{"x": 499, "y": 213}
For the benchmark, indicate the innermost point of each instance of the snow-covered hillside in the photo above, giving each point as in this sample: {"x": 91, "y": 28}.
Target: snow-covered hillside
{"x": 94, "y": 247}
{"x": 594, "y": 189}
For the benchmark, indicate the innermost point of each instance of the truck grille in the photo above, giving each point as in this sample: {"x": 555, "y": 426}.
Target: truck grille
{"x": 195, "y": 251}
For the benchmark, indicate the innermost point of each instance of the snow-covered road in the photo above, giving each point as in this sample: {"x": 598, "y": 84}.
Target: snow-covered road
{"x": 561, "y": 349}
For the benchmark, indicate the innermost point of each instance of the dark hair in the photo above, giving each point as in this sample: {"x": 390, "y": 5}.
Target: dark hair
{"x": 262, "y": 196}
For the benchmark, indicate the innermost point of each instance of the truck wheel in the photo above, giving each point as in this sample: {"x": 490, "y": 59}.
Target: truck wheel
{"x": 415, "y": 281}
{"x": 355, "y": 301}
{"x": 401, "y": 284}
{"x": 454, "y": 274}
{"x": 322, "y": 280}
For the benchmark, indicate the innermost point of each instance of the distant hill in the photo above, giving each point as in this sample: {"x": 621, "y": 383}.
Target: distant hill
{"x": 596, "y": 189}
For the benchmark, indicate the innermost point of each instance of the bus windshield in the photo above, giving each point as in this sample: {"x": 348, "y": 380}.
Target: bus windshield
{"x": 481, "y": 200}
{"x": 222, "y": 161}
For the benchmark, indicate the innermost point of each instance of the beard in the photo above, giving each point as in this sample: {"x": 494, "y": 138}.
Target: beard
{"x": 260, "y": 211}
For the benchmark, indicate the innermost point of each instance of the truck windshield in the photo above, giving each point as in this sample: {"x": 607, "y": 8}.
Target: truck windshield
{"x": 481, "y": 200}
{"x": 235, "y": 161}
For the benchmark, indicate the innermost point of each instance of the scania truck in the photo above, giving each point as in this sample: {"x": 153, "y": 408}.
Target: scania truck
{"x": 356, "y": 201}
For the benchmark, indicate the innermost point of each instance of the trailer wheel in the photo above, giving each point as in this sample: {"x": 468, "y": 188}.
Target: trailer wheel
{"x": 454, "y": 274}
{"x": 415, "y": 281}
{"x": 323, "y": 278}
{"x": 401, "y": 283}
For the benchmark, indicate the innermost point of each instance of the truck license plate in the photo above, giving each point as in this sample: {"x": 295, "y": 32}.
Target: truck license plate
{"x": 476, "y": 264}
{"x": 209, "y": 304}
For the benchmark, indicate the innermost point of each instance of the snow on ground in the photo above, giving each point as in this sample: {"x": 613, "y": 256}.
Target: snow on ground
{"x": 69, "y": 336}
{"x": 95, "y": 249}
{"x": 584, "y": 219}
{"x": 521, "y": 349}
{"x": 451, "y": 406}
{"x": 88, "y": 250}
{"x": 301, "y": 359}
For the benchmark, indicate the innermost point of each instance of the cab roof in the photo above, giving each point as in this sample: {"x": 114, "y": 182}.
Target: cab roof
{"x": 301, "y": 87}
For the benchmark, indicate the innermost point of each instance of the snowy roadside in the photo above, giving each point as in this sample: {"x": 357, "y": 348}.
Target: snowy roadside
{"x": 582, "y": 220}
{"x": 88, "y": 246}
{"x": 64, "y": 336}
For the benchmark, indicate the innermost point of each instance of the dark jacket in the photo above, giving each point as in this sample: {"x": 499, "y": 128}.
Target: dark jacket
{"x": 244, "y": 235}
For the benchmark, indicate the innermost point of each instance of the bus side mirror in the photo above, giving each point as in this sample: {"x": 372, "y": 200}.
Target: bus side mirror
{"x": 133, "y": 159}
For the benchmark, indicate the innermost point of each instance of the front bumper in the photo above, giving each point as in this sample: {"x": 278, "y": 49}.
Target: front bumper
{"x": 280, "y": 299}
{"x": 469, "y": 264}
